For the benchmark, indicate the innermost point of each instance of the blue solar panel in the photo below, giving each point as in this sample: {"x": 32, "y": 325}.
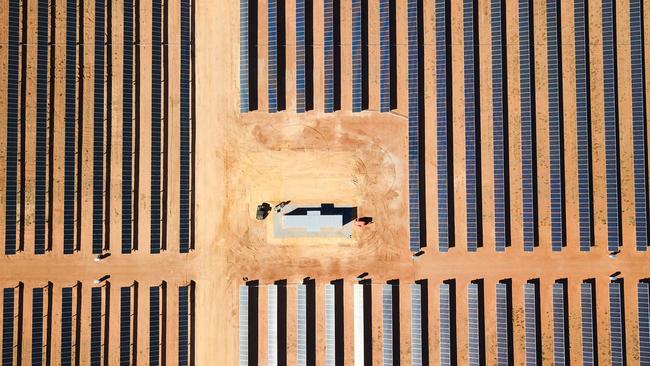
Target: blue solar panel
{"x": 300, "y": 56}
{"x": 527, "y": 126}
{"x": 588, "y": 339}
{"x": 186, "y": 127}
{"x": 328, "y": 53}
{"x": 499, "y": 127}
{"x": 442, "y": 150}
{"x": 560, "y": 351}
{"x": 384, "y": 55}
{"x": 416, "y": 325}
{"x": 473, "y": 325}
{"x": 127, "y": 127}
{"x": 611, "y": 125}
{"x": 555, "y": 130}
{"x": 445, "y": 325}
{"x": 530, "y": 314}
{"x": 183, "y": 325}
{"x": 273, "y": 55}
{"x": 643, "y": 289}
{"x": 156, "y": 124}
{"x": 40, "y": 189}
{"x": 70, "y": 126}
{"x": 37, "y": 326}
{"x": 583, "y": 124}
{"x": 503, "y": 351}
{"x": 413, "y": 128}
{"x": 8, "y": 321}
{"x": 96, "y": 326}
{"x": 98, "y": 132}
{"x": 12, "y": 128}
{"x": 616, "y": 325}
{"x": 387, "y": 324}
{"x": 154, "y": 325}
{"x": 243, "y": 55}
{"x": 357, "y": 72}
{"x": 125, "y": 326}
{"x": 472, "y": 129}
{"x": 638, "y": 124}
{"x": 66, "y": 326}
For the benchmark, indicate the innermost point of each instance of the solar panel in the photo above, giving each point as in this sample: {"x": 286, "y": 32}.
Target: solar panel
{"x": 643, "y": 290}
{"x": 384, "y": 56}
{"x": 442, "y": 125}
{"x": 328, "y": 53}
{"x": 357, "y": 72}
{"x": 445, "y": 325}
{"x": 301, "y": 322}
{"x": 8, "y": 321}
{"x": 359, "y": 336}
{"x": 330, "y": 326}
{"x": 154, "y": 325}
{"x": 243, "y": 325}
{"x": 638, "y": 124}
{"x": 300, "y": 56}
{"x": 555, "y": 130}
{"x": 184, "y": 303}
{"x": 272, "y": 327}
{"x": 499, "y": 127}
{"x": 156, "y": 123}
{"x": 98, "y": 129}
{"x": 583, "y": 124}
{"x": 560, "y": 351}
{"x": 186, "y": 126}
{"x": 37, "y": 326}
{"x": 473, "y": 325}
{"x": 66, "y": 326}
{"x": 413, "y": 128}
{"x": 125, "y": 326}
{"x": 243, "y": 55}
{"x": 503, "y": 337}
{"x": 611, "y": 122}
{"x": 273, "y": 55}
{"x": 387, "y": 323}
{"x": 616, "y": 340}
{"x": 40, "y": 189}
{"x": 530, "y": 313}
{"x": 70, "y": 126}
{"x": 96, "y": 326}
{"x": 12, "y": 127}
{"x": 127, "y": 127}
{"x": 527, "y": 126}
{"x": 588, "y": 335}
{"x": 472, "y": 128}
{"x": 416, "y": 325}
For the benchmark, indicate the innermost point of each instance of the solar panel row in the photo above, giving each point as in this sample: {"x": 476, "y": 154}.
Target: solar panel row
{"x": 70, "y": 126}
{"x": 638, "y": 124}
{"x": 499, "y": 126}
{"x": 387, "y": 323}
{"x": 8, "y": 321}
{"x": 357, "y": 72}
{"x": 125, "y": 326}
{"x": 154, "y": 325}
{"x": 643, "y": 290}
{"x": 560, "y": 351}
{"x": 40, "y": 189}
{"x": 413, "y": 128}
{"x": 442, "y": 122}
{"x": 301, "y": 85}
{"x": 272, "y": 62}
{"x": 503, "y": 319}
{"x": 98, "y": 128}
{"x": 555, "y": 130}
{"x": 127, "y": 126}
{"x": 66, "y": 326}
{"x": 37, "y": 326}
{"x": 184, "y": 312}
{"x": 472, "y": 127}
{"x": 156, "y": 124}
{"x": 611, "y": 125}
{"x": 473, "y": 325}
{"x": 416, "y": 325}
{"x": 527, "y": 125}
{"x": 272, "y": 326}
{"x": 616, "y": 341}
{"x": 186, "y": 122}
{"x": 328, "y": 53}
{"x": 588, "y": 334}
{"x": 243, "y": 325}
{"x": 12, "y": 127}
{"x": 243, "y": 55}
{"x": 583, "y": 124}
{"x": 445, "y": 325}
{"x": 384, "y": 56}
{"x": 359, "y": 325}
{"x": 330, "y": 326}
{"x": 301, "y": 326}
{"x": 96, "y": 326}
{"x": 530, "y": 314}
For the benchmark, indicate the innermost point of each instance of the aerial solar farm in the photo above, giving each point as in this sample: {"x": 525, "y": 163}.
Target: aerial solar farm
{"x": 327, "y": 182}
